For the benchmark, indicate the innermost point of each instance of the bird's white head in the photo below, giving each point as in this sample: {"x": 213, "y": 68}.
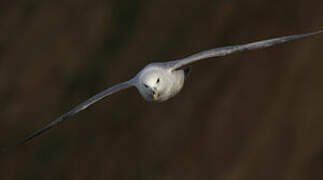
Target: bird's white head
{"x": 152, "y": 85}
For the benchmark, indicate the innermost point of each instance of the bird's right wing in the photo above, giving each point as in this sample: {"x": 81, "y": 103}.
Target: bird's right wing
{"x": 223, "y": 51}
{"x": 80, "y": 107}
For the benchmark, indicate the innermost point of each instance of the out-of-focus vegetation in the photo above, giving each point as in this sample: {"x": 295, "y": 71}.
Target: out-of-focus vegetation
{"x": 256, "y": 115}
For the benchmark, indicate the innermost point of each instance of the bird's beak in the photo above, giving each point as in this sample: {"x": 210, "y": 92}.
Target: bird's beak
{"x": 155, "y": 96}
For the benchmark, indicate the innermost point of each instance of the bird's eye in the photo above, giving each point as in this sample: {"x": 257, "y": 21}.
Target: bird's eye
{"x": 157, "y": 80}
{"x": 146, "y": 85}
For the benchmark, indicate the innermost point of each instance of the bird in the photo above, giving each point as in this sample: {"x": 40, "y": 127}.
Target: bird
{"x": 159, "y": 81}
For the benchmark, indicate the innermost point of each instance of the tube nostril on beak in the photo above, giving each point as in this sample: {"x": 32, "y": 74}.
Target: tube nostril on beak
{"x": 155, "y": 95}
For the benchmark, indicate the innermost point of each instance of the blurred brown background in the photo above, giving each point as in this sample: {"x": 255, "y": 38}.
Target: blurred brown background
{"x": 256, "y": 115}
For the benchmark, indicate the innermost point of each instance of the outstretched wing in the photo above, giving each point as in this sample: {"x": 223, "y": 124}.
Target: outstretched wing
{"x": 223, "y": 51}
{"x": 79, "y": 108}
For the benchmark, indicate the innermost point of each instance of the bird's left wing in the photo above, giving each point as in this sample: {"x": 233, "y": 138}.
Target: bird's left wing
{"x": 80, "y": 107}
{"x": 223, "y": 51}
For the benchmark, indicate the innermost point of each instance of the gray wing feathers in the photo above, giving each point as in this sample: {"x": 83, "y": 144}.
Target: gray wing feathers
{"x": 79, "y": 108}
{"x": 223, "y": 51}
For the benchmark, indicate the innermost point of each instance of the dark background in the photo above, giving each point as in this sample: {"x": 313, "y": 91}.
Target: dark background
{"x": 256, "y": 115}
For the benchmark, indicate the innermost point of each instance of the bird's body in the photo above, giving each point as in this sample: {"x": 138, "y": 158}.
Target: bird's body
{"x": 158, "y": 82}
